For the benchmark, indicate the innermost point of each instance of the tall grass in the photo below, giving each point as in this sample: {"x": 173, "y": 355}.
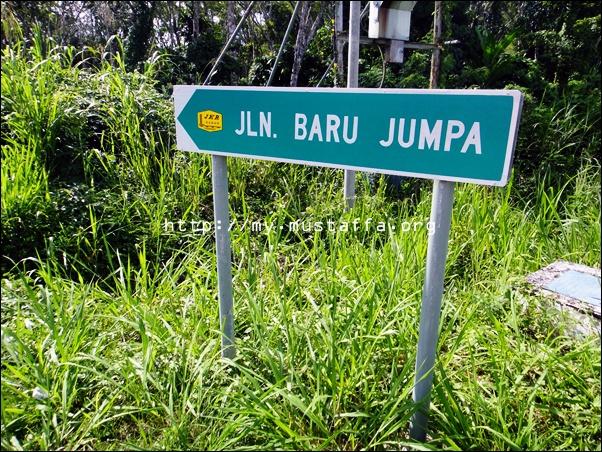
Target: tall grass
{"x": 109, "y": 323}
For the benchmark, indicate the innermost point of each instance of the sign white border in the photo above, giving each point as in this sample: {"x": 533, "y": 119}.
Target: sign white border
{"x": 183, "y": 93}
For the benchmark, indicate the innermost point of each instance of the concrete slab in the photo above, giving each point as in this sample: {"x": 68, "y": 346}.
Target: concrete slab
{"x": 574, "y": 285}
{"x": 576, "y": 290}
{"x": 577, "y": 285}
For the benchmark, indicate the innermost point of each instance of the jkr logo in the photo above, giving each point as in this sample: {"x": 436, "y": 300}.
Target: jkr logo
{"x": 210, "y": 121}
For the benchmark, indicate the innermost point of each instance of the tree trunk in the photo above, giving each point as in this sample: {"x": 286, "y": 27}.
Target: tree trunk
{"x": 339, "y": 44}
{"x": 304, "y": 35}
{"x": 435, "y": 61}
{"x": 140, "y": 32}
{"x": 173, "y": 25}
{"x": 195, "y": 18}
{"x": 230, "y": 18}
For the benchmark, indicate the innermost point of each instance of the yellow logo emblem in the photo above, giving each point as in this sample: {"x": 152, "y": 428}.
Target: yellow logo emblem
{"x": 211, "y": 121}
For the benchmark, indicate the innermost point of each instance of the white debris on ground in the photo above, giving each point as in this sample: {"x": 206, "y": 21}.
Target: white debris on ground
{"x": 39, "y": 394}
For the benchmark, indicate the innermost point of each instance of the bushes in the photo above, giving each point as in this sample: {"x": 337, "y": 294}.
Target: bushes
{"x": 557, "y": 135}
{"x": 67, "y": 133}
{"x": 88, "y": 159}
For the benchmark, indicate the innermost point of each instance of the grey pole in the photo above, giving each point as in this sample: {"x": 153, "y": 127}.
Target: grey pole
{"x": 352, "y": 75}
{"x": 338, "y": 21}
{"x": 441, "y": 210}
{"x": 432, "y": 292}
{"x": 283, "y": 44}
{"x": 219, "y": 179}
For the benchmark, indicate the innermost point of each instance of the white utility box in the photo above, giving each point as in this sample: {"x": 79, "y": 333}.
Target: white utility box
{"x": 390, "y": 20}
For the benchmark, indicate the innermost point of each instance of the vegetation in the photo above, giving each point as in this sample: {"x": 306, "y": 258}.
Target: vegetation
{"x": 109, "y": 315}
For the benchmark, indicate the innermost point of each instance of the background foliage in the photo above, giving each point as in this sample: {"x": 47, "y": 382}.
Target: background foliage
{"x": 108, "y": 311}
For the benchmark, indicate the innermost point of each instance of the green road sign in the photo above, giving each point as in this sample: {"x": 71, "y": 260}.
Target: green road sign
{"x": 453, "y": 135}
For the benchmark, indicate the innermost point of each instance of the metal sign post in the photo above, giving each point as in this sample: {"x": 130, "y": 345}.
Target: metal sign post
{"x": 352, "y": 76}
{"x": 219, "y": 180}
{"x": 432, "y": 293}
{"x": 221, "y": 214}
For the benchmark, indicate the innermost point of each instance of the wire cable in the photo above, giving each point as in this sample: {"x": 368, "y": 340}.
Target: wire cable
{"x": 283, "y": 44}
{"x": 221, "y": 54}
